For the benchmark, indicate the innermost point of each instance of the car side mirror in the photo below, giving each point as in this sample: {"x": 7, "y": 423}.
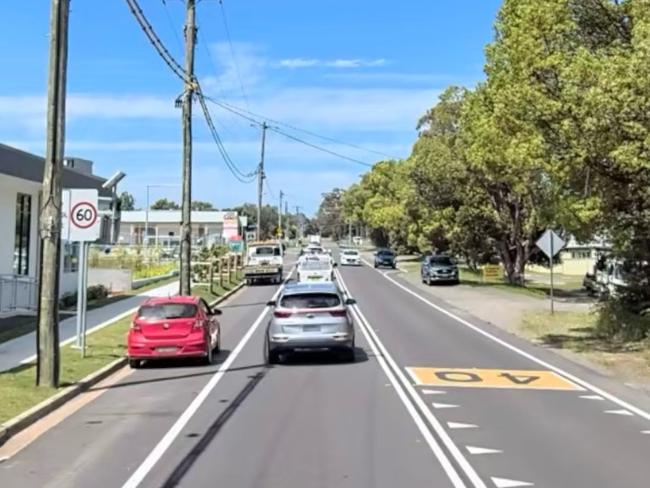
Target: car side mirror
{"x": 350, "y": 301}
{"x": 215, "y": 311}
{"x": 271, "y": 303}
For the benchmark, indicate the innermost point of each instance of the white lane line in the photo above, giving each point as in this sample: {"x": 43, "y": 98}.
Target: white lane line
{"x": 433, "y": 392}
{"x": 439, "y": 406}
{"x": 645, "y": 431}
{"x": 578, "y": 381}
{"x": 506, "y": 483}
{"x": 592, "y": 397}
{"x": 477, "y": 451}
{"x": 619, "y": 412}
{"x": 460, "y": 425}
{"x": 163, "y": 445}
{"x": 394, "y": 372}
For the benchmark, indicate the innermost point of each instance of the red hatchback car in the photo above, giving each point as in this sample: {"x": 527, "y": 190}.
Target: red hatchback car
{"x": 170, "y": 327}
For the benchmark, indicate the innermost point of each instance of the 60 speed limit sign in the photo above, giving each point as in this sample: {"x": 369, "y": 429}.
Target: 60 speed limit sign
{"x": 83, "y": 215}
{"x": 81, "y": 221}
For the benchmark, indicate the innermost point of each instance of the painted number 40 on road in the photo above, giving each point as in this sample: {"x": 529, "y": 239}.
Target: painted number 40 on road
{"x": 490, "y": 378}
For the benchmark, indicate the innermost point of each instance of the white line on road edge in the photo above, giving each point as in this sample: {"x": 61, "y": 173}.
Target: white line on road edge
{"x": 154, "y": 456}
{"x": 541, "y": 362}
{"x": 393, "y": 372}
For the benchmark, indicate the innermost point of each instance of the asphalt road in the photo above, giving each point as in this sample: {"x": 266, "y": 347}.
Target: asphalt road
{"x": 432, "y": 400}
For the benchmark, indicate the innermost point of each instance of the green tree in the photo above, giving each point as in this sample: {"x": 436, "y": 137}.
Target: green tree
{"x": 127, "y": 201}
{"x": 164, "y": 204}
{"x": 202, "y": 206}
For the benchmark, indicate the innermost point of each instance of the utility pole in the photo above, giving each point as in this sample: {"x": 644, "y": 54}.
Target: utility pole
{"x": 47, "y": 334}
{"x": 260, "y": 184}
{"x": 186, "y": 223}
{"x": 280, "y": 215}
{"x": 299, "y": 217}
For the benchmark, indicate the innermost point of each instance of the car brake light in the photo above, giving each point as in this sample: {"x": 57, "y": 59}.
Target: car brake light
{"x": 198, "y": 324}
{"x": 135, "y": 326}
{"x": 338, "y": 313}
{"x": 282, "y": 315}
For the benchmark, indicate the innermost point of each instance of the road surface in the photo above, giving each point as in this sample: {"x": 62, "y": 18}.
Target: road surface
{"x": 433, "y": 400}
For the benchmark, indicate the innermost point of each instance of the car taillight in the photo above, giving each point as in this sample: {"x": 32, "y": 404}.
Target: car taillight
{"x": 198, "y": 324}
{"x": 338, "y": 313}
{"x": 282, "y": 315}
{"x": 135, "y": 326}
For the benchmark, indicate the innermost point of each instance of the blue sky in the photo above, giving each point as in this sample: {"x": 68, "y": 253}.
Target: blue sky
{"x": 359, "y": 71}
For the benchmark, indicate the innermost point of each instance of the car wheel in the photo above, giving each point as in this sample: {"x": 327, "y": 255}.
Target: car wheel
{"x": 209, "y": 356}
{"x": 217, "y": 348}
{"x": 271, "y": 357}
{"x": 429, "y": 282}
{"x": 134, "y": 363}
{"x": 249, "y": 282}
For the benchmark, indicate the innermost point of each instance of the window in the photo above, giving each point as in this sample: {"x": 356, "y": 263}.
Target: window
{"x": 311, "y": 300}
{"x": 584, "y": 254}
{"x": 167, "y": 311}
{"x": 70, "y": 257}
{"x": 23, "y": 226}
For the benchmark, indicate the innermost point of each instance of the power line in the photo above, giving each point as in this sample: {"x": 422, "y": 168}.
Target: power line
{"x": 231, "y": 107}
{"x": 179, "y": 71}
{"x": 232, "y": 51}
{"x": 172, "y": 27}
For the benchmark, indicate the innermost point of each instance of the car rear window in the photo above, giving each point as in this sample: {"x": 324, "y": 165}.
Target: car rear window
{"x": 267, "y": 251}
{"x": 314, "y": 265}
{"x": 350, "y": 253}
{"x": 311, "y": 300}
{"x": 442, "y": 260}
{"x": 167, "y": 311}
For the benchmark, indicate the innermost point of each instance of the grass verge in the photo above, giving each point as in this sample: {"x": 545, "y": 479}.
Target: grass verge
{"x": 576, "y": 333}
{"x": 17, "y": 388}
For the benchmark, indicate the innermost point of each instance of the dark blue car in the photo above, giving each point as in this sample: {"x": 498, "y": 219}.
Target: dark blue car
{"x": 385, "y": 258}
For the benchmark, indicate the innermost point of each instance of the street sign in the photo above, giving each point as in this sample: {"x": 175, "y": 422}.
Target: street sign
{"x": 80, "y": 216}
{"x": 550, "y": 243}
{"x": 492, "y": 271}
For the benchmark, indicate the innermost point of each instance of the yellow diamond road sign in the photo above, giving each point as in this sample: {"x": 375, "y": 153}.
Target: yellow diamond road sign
{"x": 491, "y": 378}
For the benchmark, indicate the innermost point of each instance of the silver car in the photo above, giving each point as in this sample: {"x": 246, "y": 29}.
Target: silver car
{"x": 310, "y": 317}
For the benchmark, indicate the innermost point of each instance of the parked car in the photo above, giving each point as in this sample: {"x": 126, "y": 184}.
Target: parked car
{"x": 315, "y": 269}
{"x": 310, "y": 317}
{"x": 439, "y": 269}
{"x": 350, "y": 257}
{"x": 174, "y": 327}
{"x": 386, "y": 258}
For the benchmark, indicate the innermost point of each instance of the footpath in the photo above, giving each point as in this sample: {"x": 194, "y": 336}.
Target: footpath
{"x": 23, "y": 349}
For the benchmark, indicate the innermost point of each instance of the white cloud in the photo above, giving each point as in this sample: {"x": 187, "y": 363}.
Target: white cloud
{"x": 247, "y": 65}
{"x": 335, "y": 63}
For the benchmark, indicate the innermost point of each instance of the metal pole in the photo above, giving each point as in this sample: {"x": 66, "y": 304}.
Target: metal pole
{"x": 260, "y": 183}
{"x": 551, "y": 261}
{"x": 80, "y": 283}
{"x": 146, "y": 220}
{"x": 186, "y": 226}
{"x": 47, "y": 337}
{"x": 280, "y": 216}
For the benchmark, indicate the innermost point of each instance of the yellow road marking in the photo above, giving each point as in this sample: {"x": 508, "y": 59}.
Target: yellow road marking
{"x": 491, "y": 378}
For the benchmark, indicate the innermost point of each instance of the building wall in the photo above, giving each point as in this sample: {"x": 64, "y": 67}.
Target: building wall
{"x": 575, "y": 262}
{"x": 9, "y": 189}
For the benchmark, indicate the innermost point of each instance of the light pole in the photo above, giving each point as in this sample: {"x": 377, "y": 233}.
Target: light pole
{"x": 146, "y": 212}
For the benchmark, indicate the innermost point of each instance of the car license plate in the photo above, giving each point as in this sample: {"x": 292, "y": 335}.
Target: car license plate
{"x": 314, "y": 277}
{"x": 166, "y": 350}
{"x": 311, "y": 328}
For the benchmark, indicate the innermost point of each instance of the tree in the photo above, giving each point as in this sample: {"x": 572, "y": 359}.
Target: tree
{"x": 329, "y": 218}
{"x": 127, "y": 202}
{"x": 164, "y": 204}
{"x": 202, "y": 206}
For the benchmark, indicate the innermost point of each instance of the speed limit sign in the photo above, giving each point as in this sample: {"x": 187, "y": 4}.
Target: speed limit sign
{"x": 80, "y": 216}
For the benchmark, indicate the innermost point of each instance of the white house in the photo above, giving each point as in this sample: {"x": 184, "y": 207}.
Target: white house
{"x": 163, "y": 227}
{"x": 21, "y": 176}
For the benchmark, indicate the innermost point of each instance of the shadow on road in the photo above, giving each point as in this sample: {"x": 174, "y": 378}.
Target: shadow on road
{"x": 188, "y": 461}
{"x": 321, "y": 358}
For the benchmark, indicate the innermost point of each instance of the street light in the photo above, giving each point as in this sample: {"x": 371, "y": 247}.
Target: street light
{"x": 146, "y": 215}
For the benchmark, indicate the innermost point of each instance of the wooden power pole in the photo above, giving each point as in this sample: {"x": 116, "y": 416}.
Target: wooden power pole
{"x": 280, "y": 216}
{"x": 186, "y": 222}
{"x": 47, "y": 336}
{"x": 260, "y": 185}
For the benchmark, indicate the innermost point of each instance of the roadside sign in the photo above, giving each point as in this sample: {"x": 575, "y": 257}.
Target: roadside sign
{"x": 80, "y": 216}
{"x": 550, "y": 243}
{"x": 491, "y": 378}
{"x": 492, "y": 271}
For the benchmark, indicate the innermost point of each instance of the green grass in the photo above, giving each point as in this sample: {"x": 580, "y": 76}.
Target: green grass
{"x": 153, "y": 270}
{"x": 576, "y": 332}
{"x": 17, "y": 388}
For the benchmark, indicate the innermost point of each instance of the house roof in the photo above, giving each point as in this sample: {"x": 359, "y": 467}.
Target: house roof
{"x": 21, "y": 164}
{"x": 173, "y": 216}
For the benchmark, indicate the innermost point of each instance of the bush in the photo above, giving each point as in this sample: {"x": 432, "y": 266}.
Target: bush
{"x": 616, "y": 321}
{"x": 95, "y": 292}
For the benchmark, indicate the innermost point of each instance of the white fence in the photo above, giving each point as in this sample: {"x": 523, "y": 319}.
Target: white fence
{"x": 17, "y": 293}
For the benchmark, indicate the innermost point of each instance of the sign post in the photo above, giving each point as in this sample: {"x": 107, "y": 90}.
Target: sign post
{"x": 551, "y": 244}
{"x": 81, "y": 224}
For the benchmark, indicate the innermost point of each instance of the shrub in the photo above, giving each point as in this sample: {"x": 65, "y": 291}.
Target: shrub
{"x": 616, "y": 321}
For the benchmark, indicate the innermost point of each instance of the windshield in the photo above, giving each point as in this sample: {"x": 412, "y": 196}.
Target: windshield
{"x": 267, "y": 251}
{"x": 167, "y": 311}
{"x": 315, "y": 265}
{"x": 386, "y": 254}
{"x": 311, "y": 300}
{"x": 441, "y": 261}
